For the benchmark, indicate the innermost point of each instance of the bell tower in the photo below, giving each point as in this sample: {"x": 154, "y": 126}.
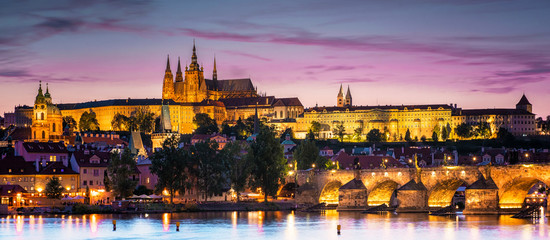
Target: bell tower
{"x": 40, "y": 129}
{"x": 340, "y": 98}
{"x": 195, "y": 87}
{"x": 168, "y": 83}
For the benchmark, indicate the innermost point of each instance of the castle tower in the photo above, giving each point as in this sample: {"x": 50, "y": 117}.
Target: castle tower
{"x": 194, "y": 85}
{"x": 348, "y": 97}
{"x": 340, "y": 98}
{"x": 179, "y": 85}
{"x": 168, "y": 83}
{"x": 524, "y": 104}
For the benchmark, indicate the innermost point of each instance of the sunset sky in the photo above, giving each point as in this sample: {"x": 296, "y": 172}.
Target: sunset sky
{"x": 478, "y": 54}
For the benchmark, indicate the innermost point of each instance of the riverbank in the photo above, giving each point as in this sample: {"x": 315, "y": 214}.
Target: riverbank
{"x": 159, "y": 208}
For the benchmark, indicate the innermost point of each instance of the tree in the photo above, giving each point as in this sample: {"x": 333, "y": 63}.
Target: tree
{"x": 53, "y": 188}
{"x": 88, "y": 122}
{"x": 209, "y": 168}
{"x": 106, "y": 181}
{"x": 268, "y": 166}
{"x": 374, "y": 135}
{"x": 315, "y": 128}
{"x": 120, "y": 169}
{"x": 310, "y": 135}
{"x": 120, "y": 122}
{"x": 69, "y": 122}
{"x": 171, "y": 165}
{"x": 239, "y": 168}
{"x": 436, "y": 132}
{"x": 445, "y": 132}
{"x": 464, "y": 130}
{"x": 483, "y": 130}
{"x": 306, "y": 154}
{"x": 339, "y": 131}
{"x": 142, "y": 120}
{"x": 204, "y": 124}
{"x": 357, "y": 133}
{"x": 408, "y": 136}
{"x": 227, "y": 130}
{"x": 435, "y": 138}
{"x": 141, "y": 190}
{"x": 288, "y": 131}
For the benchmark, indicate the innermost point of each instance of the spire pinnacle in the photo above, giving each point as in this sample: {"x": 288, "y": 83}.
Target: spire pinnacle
{"x": 341, "y": 92}
{"x": 179, "y": 66}
{"x": 215, "y": 71}
{"x": 168, "y": 64}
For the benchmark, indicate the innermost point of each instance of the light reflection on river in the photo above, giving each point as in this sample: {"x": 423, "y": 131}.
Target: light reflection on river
{"x": 271, "y": 225}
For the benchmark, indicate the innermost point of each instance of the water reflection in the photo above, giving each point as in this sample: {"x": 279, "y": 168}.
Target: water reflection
{"x": 272, "y": 225}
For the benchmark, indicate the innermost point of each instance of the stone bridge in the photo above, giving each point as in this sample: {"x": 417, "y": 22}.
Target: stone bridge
{"x": 488, "y": 188}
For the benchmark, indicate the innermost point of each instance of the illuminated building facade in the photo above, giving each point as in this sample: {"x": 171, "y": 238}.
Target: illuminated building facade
{"x": 419, "y": 120}
{"x": 47, "y": 121}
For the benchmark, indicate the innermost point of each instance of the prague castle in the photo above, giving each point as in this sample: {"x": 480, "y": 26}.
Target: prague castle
{"x": 419, "y": 120}
{"x": 189, "y": 93}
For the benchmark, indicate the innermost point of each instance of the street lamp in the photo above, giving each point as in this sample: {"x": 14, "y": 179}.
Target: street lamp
{"x": 313, "y": 165}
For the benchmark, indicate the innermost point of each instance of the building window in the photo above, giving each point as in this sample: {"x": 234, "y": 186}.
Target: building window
{"x": 96, "y": 172}
{"x": 85, "y": 171}
{"x": 84, "y": 183}
{"x": 91, "y": 183}
{"x": 53, "y": 127}
{"x": 53, "y": 158}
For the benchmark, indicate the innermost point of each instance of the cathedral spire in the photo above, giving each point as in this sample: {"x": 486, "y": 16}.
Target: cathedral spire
{"x": 179, "y": 75}
{"x": 215, "y": 72}
{"x": 348, "y": 97}
{"x": 168, "y": 64}
{"x": 256, "y": 122}
{"x": 47, "y": 95}
{"x": 194, "y": 56}
{"x": 340, "y": 97}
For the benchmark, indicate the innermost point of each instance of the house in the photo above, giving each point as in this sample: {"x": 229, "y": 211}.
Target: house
{"x": 11, "y": 195}
{"x": 347, "y": 161}
{"x": 42, "y": 151}
{"x": 326, "y": 152}
{"x": 288, "y": 144}
{"x": 91, "y": 164}
{"x": 219, "y": 138}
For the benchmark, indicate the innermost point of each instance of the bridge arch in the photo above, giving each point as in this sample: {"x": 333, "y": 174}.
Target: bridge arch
{"x": 383, "y": 193}
{"x": 443, "y": 192}
{"x": 329, "y": 194}
{"x": 288, "y": 190}
{"x": 516, "y": 192}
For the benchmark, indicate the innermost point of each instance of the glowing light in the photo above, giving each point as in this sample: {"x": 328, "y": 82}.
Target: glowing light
{"x": 333, "y": 171}
{"x": 165, "y": 222}
{"x": 39, "y": 189}
{"x": 165, "y": 192}
{"x": 68, "y": 188}
{"x": 313, "y": 165}
{"x": 290, "y": 173}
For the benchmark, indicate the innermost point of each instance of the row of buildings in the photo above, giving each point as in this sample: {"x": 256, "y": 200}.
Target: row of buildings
{"x": 227, "y": 100}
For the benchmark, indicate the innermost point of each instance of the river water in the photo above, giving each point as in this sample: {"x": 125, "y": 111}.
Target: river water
{"x": 271, "y": 225}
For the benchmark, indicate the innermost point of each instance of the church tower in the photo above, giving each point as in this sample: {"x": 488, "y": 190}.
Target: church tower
{"x": 348, "y": 97}
{"x": 195, "y": 87}
{"x": 524, "y": 104}
{"x": 47, "y": 121}
{"x": 168, "y": 84}
{"x": 340, "y": 98}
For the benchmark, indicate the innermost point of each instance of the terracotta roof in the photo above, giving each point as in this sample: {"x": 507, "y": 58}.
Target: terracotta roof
{"x": 106, "y": 140}
{"x": 83, "y": 160}
{"x": 287, "y": 102}
{"x": 115, "y": 102}
{"x": 367, "y": 162}
{"x": 45, "y": 147}
{"x": 494, "y": 111}
{"x": 16, "y": 165}
{"x": 244, "y": 84}
{"x": 21, "y": 133}
{"x": 248, "y": 101}
{"x": 11, "y": 190}
{"x": 354, "y": 184}
{"x": 57, "y": 168}
{"x": 386, "y": 107}
{"x": 523, "y": 101}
